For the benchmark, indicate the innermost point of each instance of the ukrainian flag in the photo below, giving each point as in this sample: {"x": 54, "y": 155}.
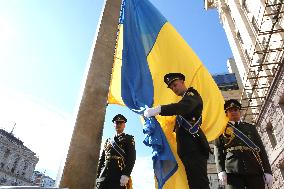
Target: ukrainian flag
{"x": 148, "y": 47}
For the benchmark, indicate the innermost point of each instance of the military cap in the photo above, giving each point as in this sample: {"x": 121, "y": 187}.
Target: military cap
{"x": 119, "y": 118}
{"x": 170, "y": 77}
{"x": 232, "y": 103}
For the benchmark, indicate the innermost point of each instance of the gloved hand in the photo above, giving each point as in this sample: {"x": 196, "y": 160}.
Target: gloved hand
{"x": 149, "y": 112}
{"x": 124, "y": 180}
{"x": 223, "y": 177}
{"x": 268, "y": 178}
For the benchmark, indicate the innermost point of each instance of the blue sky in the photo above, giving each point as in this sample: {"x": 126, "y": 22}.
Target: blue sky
{"x": 44, "y": 51}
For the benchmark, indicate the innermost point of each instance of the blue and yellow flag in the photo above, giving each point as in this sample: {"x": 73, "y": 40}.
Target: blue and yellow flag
{"x": 148, "y": 47}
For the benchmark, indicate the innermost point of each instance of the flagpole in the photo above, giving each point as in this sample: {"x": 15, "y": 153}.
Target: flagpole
{"x": 81, "y": 164}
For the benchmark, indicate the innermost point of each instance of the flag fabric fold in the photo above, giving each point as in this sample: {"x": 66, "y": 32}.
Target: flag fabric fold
{"x": 148, "y": 47}
{"x": 141, "y": 28}
{"x": 164, "y": 162}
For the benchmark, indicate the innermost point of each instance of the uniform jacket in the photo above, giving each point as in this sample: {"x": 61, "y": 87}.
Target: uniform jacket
{"x": 110, "y": 166}
{"x": 189, "y": 107}
{"x": 237, "y": 161}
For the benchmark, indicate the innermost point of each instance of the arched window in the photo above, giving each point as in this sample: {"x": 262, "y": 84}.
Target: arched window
{"x": 271, "y": 135}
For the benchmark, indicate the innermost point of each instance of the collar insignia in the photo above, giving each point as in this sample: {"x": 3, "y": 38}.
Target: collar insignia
{"x": 190, "y": 93}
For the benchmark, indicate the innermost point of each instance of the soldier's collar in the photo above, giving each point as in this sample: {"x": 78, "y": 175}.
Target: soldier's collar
{"x": 233, "y": 122}
{"x": 188, "y": 92}
{"x": 185, "y": 92}
{"x": 120, "y": 134}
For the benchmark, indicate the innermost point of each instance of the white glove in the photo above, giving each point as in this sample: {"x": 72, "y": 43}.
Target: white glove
{"x": 149, "y": 112}
{"x": 124, "y": 180}
{"x": 268, "y": 178}
{"x": 223, "y": 177}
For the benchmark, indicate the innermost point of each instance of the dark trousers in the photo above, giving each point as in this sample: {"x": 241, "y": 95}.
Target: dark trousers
{"x": 196, "y": 171}
{"x": 108, "y": 184}
{"x": 236, "y": 181}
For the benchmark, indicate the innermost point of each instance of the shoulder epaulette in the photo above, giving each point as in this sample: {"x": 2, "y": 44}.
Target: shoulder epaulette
{"x": 190, "y": 93}
{"x": 131, "y": 138}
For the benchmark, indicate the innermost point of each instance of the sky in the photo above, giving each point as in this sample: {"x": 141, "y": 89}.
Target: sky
{"x": 44, "y": 50}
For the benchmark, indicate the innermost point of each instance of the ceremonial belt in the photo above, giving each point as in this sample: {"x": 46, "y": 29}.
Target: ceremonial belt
{"x": 244, "y": 138}
{"x": 113, "y": 157}
{"x": 255, "y": 149}
{"x": 191, "y": 128}
{"x": 236, "y": 148}
{"x": 120, "y": 151}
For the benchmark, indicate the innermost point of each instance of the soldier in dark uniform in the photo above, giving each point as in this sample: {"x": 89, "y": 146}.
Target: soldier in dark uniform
{"x": 117, "y": 159}
{"x": 240, "y": 156}
{"x": 192, "y": 145}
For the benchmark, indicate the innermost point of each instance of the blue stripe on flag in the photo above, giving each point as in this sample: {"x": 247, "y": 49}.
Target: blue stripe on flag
{"x": 142, "y": 23}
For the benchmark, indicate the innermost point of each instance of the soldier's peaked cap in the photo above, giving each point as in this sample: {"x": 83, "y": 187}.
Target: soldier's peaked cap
{"x": 232, "y": 103}
{"x": 171, "y": 77}
{"x": 119, "y": 118}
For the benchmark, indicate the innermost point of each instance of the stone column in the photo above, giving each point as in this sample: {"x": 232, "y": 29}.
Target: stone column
{"x": 82, "y": 159}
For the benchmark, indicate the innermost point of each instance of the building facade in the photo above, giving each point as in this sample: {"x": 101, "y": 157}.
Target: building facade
{"x": 254, "y": 29}
{"x": 212, "y": 171}
{"x": 40, "y": 179}
{"x": 17, "y": 162}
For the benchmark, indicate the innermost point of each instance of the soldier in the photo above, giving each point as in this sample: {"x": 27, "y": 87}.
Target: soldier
{"x": 192, "y": 145}
{"x": 240, "y": 156}
{"x": 117, "y": 159}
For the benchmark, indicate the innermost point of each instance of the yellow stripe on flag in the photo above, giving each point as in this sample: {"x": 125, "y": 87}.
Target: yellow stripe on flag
{"x": 172, "y": 54}
{"x": 114, "y": 96}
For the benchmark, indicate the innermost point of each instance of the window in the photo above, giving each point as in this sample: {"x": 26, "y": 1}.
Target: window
{"x": 25, "y": 166}
{"x": 264, "y": 42}
{"x": 7, "y": 153}
{"x": 234, "y": 20}
{"x": 281, "y": 103}
{"x": 245, "y": 6}
{"x": 254, "y": 24}
{"x": 281, "y": 167}
{"x": 271, "y": 136}
{"x": 247, "y": 55}
{"x": 16, "y": 162}
{"x": 239, "y": 37}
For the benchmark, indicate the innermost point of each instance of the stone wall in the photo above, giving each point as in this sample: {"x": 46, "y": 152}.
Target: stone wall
{"x": 272, "y": 117}
{"x": 17, "y": 162}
